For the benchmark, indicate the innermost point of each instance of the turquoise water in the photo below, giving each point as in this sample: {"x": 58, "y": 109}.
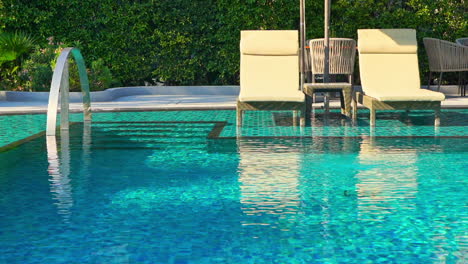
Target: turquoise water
{"x": 179, "y": 187}
{"x": 264, "y": 123}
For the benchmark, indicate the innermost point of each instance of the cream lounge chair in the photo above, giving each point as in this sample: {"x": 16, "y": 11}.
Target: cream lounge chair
{"x": 388, "y": 64}
{"x": 269, "y": 72}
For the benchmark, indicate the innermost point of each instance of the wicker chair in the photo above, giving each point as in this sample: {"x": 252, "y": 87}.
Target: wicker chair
{"x": 462, "y": 41}
{"x": 341, "y": 62}
{"x": 446, "y": 56}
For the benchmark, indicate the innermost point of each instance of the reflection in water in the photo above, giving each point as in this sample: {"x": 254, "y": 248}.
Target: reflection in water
{"x": 86, "y": 143}
{"x": 388, "y": 182}
{"x": 117, "y": 254}
{"x": 269, "y": 181}
{"x": 81, "y": 186}
{"x": 59, "y": 171}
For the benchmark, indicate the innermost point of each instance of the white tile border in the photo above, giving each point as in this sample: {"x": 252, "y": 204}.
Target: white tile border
{"x": 114, "y": 93}
{"x": 147, "y": 98}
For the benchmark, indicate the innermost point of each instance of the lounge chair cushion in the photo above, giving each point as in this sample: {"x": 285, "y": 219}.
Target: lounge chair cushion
{"x": 269, "y": 42}
{"x": 387, "y": 41}
{"x": 390, "y": 76}
{"x": 420, "y": 95}
{"x": 270, "y": 77}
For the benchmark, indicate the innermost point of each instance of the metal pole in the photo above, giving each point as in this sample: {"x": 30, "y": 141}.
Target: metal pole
{"x": 326, "y": 61}
{"x": 302, "y": 42}
{"x": 326, "y": 69}
{"x": 60, "y": 86}
{"x": 64, "y": 98}
{"x": 55, "y": 92}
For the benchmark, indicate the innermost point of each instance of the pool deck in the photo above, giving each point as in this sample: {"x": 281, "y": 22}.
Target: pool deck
{"x": 158, "y": 98}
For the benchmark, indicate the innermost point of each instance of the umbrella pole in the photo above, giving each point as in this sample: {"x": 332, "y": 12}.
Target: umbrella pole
{"x": 301, "y": 42}
{"x": 326, "y": 70}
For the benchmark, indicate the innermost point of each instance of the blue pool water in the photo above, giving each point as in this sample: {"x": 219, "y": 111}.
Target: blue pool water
{"x": 180, "y": 187}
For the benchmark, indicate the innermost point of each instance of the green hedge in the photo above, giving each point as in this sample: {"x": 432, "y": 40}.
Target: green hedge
{"x": 196, "y": 41}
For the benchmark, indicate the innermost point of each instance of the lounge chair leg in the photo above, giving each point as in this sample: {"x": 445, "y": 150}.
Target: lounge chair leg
{"x": 295, "y": 117}
{"x": 239, "y": 117}
{"x": 347, "y": 102}
{"x": 372, "y": 133}
{"x": 354, "y": 107}
{"x": 460, "y": 83}
{"x": 342, "y": 103}
{"x": 308, "y": 106}
{"x": 326, "y": 102}
{"x": 372, "y": 117}
{"x": 437, "y": 118}
{"x": 439, "y": 82}
{"x": 429, "y": 81}
{"x": 302, "y": 121}
{"x": 464, "y": 85}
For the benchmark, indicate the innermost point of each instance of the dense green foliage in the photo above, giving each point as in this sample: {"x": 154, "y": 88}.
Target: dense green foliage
{"x": 196, "y": 41}
{"x": 35, "y": 72}
{"x": 13, "y": 48}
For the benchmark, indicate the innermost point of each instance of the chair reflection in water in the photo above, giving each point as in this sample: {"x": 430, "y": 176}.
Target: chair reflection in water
{"x": 269, "y": 180}
{"x": 389, "y": 181}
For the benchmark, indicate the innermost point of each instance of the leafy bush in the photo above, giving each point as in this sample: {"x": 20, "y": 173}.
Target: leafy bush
{"x": 13, "y": 48}
{"x": 99, "y": 75}
{"x": 14, "y": 45}
{"x": 197, "y": 41}
{"x": 37, "y": 71}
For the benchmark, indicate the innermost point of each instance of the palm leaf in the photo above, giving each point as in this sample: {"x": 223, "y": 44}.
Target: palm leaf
{"x": 14, "y": 45}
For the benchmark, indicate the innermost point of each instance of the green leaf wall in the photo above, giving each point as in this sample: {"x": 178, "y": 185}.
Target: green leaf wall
{"x": 196, "y": 42}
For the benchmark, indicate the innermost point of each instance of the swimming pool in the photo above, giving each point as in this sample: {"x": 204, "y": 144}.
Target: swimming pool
{"x": 180, "y": 187}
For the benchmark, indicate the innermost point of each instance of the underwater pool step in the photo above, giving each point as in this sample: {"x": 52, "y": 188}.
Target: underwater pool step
{"x": 168, "y": 141}
{"x": 148, "y": 140}
{"x": 153, "y": 127}
{"x": 152, "y": 131}
{"x": 151, "y": 135}
{"x": 165, "y": 130}
{"x": 163, "y": 146}
{"x": 126, "y": 148}
{"x": 155, "y": 124}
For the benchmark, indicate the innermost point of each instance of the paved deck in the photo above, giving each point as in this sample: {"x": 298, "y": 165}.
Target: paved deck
{"x": 162, "y": 102}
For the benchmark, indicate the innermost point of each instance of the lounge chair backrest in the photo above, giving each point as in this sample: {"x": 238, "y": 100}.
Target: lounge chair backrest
{"x": 388, "y": 60}
{"x": 462, "y": 41}
{"x": 446, "y": 56}
{"x": 341, "y": 58}
{"x": 269, "y": 62}
{"x": 269, "y": 42}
